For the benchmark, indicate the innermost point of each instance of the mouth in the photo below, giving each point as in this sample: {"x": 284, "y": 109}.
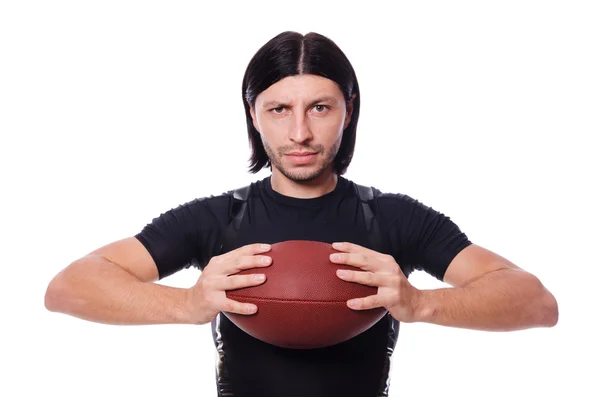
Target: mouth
{"x": 301, "y": 154}
{"x": 301, "y": 157}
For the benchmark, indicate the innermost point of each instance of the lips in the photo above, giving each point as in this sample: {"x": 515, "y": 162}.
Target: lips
{"x": 302, "y": 157}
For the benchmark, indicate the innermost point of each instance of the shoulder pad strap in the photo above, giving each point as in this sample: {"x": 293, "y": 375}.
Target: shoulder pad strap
{"x": 364, "y": 192}
{"x": 240, "y": 197}
{"x": 236, "y": 214}
{"x": 241, "y": 193}
{"x": 366, "y": 195}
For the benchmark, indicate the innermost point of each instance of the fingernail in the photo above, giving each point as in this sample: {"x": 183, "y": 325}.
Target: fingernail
{"x": 259, "y": 277}
{"x": 335, "y": 257}
{"x": 251, "y": 309}
{"x": 342, "y": 273}
{"x": 265, "y": 246}
{"x": 266, "y": 260}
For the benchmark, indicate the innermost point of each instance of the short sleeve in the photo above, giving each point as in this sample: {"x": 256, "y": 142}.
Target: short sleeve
{"x": 420, "y": 237}
{"x": 187, "y": 235}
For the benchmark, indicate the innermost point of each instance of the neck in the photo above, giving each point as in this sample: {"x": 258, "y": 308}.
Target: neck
{"x": 317, "y": 187}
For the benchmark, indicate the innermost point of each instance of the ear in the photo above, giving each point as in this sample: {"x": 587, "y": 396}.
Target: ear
{"x": 349, "y": 109}
{"x": 253, "y": 115}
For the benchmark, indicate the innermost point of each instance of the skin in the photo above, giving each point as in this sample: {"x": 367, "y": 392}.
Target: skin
{"x": 114, "y": 284}
{"x": 488, "y": 292}
{"x": 302, "y": 114}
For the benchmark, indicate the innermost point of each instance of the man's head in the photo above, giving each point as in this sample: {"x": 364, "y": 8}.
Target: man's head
{"x": 302, "y": 104}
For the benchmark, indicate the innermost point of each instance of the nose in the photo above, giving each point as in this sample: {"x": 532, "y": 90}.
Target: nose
{"x": 300, "y": 131}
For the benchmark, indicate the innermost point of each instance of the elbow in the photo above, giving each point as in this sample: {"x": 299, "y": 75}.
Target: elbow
{"x": 546, "y": 307}
{"x": 550, "y": 310}
{"x": 541, "y": 307}
{"x": 57, "y": 293}
{"x": 51, "y": 297}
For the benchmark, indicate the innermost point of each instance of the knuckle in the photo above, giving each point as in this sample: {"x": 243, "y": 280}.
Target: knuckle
{"x": 398, "y": 280}
{"x": 204, "y": 282}
{"x": 243, "y": 262}
{"x": 225, "y": 283}
{"x": 229, "y": 306}
{"x": 397, "y": 277}
{"x": 370, "y": 277}
{"x": 212, "y": 282}
{"x": 350, "y": 275}
{"x": 362, "y": 275}
{"x": 234, "y": 282}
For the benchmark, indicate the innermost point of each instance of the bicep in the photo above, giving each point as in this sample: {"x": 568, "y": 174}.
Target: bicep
{"x": 131, "y": 255}
{"x": 425, "y": 238}
{"x": 473, "y": 262}
{"x": 185, "y": 236}
{"x": 433, "y": 242}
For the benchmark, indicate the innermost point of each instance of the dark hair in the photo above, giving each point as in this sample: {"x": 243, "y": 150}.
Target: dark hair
{"x": 290, "y": 54}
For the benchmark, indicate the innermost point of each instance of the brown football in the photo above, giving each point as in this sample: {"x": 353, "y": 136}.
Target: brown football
{"x": 302, "y": 303}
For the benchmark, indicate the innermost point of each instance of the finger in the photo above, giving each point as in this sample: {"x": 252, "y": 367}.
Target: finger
{"x": 353, "y": 259}
{"x": 227, "y": 265}
{"x": 249, "y": 249}
{"x": 365, "y": 278}
{"x": 232, "y": 306}
{"x": 248, "y": 262}
{"x": 368, "y": 302}
{"x": 345, "y": 246}
{"x": 239, "y": 281}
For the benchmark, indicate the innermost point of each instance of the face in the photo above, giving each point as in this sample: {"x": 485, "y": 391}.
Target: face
{"x": 301, "y": 120}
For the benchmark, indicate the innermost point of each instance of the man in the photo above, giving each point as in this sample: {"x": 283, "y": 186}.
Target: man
{"x": 302, "y": 102}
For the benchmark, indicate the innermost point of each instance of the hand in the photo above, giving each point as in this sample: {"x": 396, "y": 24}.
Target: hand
{"x": 207, "y": 297}
{"x": 394, "y": 292}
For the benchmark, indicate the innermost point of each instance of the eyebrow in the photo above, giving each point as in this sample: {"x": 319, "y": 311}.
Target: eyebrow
{"x": 318, "y": 100}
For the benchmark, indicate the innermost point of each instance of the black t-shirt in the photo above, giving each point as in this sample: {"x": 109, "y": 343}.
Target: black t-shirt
{"x": 417, "y": 236}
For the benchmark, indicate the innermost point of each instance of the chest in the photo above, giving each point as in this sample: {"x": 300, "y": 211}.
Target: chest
{"x": 272, "y": 224}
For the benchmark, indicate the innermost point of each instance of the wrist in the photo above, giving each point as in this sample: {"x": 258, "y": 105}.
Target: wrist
{"x": 424, "y": 306}
{"x": 186, "y": 311}
{"x": 195, "y": 309}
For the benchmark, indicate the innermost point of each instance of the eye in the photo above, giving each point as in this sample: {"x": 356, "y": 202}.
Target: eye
{"x": 278, "y": 110}
{"x": 321, "y": 108}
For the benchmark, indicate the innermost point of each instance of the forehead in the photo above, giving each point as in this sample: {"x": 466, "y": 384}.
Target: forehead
{"x": 300, "y": 88}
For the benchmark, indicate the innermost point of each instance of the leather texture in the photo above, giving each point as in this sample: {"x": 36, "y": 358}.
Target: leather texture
{"x": 302, "y": 303}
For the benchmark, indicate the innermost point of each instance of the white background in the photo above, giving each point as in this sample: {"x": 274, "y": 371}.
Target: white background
{"x": 113, "y": 112}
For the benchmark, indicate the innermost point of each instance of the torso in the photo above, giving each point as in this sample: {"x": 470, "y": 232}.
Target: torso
{"x": 249, "y": 367}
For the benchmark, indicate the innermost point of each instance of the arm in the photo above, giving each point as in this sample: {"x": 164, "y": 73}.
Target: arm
{"x": 490, "y": 293}
{"x": 114, "y": 285}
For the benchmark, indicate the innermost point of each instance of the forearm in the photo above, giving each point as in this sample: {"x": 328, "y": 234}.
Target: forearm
{"x": 97, "y": 290}
{"x": 503, "y": 300}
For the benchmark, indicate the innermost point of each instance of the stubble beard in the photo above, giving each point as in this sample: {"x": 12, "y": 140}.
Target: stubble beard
{"x": 303, "y": 175}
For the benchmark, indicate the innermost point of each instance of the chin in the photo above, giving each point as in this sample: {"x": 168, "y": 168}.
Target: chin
{"x": 302, "y": 175}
